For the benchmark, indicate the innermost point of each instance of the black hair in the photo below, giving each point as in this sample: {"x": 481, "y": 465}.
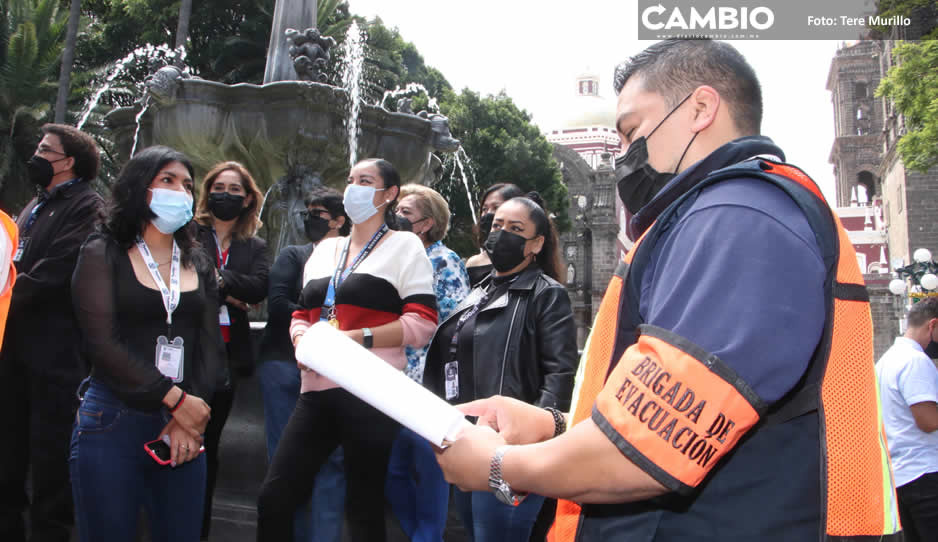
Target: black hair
{"x": 505, "y": 190}
{"x": 332, "y": 200}
{"x": 391, "y": 177}
{"x": 674, "y": 68}
{"x": 129, "y": 211}
{"x": 77, "y": 145}
{"x": 549, "y": 256}
{"x": 923, "y": 311}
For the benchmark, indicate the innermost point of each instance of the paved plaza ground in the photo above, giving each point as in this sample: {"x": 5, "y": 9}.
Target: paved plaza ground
{"x": 243, "y": 459}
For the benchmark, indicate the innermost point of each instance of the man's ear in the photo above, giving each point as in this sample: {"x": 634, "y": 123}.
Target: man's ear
{"x": 706, "y": 103}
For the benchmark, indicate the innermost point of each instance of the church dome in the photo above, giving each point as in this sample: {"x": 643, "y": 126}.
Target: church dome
{"x": 586, "y": 107}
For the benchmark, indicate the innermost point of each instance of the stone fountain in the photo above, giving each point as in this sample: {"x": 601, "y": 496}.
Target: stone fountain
{"x": 291, "y": 132}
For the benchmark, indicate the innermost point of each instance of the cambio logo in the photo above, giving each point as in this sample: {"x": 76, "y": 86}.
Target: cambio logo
{"x": 715, "y": 18}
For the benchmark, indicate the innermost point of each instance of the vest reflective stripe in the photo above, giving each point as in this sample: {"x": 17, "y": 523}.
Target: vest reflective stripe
{"x": 13, "y": 234}
{"x": 859, "y": 490}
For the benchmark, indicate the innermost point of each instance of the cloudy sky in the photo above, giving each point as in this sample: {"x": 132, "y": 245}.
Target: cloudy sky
{"x": 533, "y": 49}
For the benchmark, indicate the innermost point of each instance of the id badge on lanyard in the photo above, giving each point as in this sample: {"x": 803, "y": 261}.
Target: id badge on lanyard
{"x": 20, "y": 249}
{"x": 224, "y": 319}
{"x": 169, "y": 354}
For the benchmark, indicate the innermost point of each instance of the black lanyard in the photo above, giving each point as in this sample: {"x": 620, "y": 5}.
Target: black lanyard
{"x": 470, "y": 312}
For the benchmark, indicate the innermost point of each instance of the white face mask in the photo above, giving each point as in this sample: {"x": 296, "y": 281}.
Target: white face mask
{"x": 359, "y": 202}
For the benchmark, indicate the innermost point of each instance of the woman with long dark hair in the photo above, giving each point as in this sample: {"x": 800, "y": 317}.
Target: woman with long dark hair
{"x": 479, "y": 266}
{"x": 145, "y": 296}
{"x": 227, "y": 212}
{"x": 376, "y": 286}
{"x": 514, "y": 336}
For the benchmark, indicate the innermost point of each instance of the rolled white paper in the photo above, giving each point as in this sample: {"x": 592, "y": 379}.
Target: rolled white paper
{"x": 330, "y": 353}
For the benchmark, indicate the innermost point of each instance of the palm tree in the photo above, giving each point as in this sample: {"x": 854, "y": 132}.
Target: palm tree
{"x": 68, "y": 58}
{"x": 182, "y": 30}
{"x": 30, "y": 45}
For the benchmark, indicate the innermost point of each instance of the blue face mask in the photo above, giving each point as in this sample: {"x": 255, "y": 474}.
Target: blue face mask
{"x": 173, "y": 209}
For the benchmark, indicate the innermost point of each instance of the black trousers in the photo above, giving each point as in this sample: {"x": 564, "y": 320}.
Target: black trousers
{"x": 38, "y": 412}
{"x": 322, "y": 421}
{"x": 220, "y": 404}
{"x": 918, "y": 508}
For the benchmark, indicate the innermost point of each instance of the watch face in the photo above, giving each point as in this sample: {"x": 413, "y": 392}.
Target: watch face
{"x": 503, "y": 494}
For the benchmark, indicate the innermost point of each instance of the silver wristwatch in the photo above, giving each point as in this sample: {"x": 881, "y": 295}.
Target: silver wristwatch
{"x": 499, "y": 486}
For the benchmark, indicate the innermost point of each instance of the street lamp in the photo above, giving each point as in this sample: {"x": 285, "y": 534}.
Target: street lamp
{"x": 918, "y": 278}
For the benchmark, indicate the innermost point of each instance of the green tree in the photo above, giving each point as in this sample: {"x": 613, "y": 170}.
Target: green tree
{"x": 921, "y": 11}
{"x": 31, "y": 33}
{"x": 912, "y": 84}
{"x": 504, "y": 146}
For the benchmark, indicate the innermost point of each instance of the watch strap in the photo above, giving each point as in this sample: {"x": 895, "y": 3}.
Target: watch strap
{"x": 368, "y": 338}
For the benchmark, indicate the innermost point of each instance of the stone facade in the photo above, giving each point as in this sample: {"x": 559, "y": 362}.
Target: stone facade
{"x": 593, "y": 246}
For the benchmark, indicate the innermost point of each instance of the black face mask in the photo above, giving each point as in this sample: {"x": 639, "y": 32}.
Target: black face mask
{"x": 505, "y": 249}
{"x": 225, "y": 206}
{"x": 485, "y": 227}
{"x": 404, "y": 223}
{"x": 316, "y": 227}
{"x": 637, "y": 181}
{"x": 40, "y": 170}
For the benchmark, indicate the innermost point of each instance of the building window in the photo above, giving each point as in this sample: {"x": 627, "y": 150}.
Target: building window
{"x": 899, "y": 199}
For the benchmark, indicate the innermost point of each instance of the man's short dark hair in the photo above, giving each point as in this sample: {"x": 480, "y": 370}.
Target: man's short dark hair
{"x": 923, "y": 311}
{"x": 674, "y": 68}
{"x": 78, "y": 145}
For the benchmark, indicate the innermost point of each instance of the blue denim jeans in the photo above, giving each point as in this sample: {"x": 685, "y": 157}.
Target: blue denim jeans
{"x": 416, "y": 488}
{"x": 320, "y": 519}
{"x": 489, "y": 520}
{"x": 113, "y": 476}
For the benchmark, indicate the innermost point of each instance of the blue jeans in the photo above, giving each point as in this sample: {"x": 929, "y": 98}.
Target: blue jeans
{"x": 320, "y": 519}
{"x": 416, "y": 488}
{"x": 113, "y": 477}
{"x": 489, "y": 520}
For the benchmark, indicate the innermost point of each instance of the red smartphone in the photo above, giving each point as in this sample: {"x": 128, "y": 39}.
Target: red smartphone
{"x": 160, "y": 452}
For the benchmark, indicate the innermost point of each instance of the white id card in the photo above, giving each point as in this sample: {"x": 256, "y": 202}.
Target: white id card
{"x": 169, "y": 357}
{"x": 451, "y": 371}
{"x": 20, "y": 249}
{"x": 223, "y": 317}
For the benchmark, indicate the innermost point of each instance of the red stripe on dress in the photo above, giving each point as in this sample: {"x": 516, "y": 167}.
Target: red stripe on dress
{"x": 310, "y": 315}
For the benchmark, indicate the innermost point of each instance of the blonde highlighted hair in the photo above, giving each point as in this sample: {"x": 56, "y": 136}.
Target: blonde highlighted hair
{"x": 431, "y": 204}
{"x": 249, "y": 221}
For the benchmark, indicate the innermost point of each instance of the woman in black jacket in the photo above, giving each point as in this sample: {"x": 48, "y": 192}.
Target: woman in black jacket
{"x": 514, "y": 336}
{"x": 227, "y": 213}
{"x": 145, "y": 297}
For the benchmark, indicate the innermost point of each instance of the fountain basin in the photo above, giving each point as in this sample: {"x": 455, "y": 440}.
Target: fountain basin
{"x": 277, "y": 130}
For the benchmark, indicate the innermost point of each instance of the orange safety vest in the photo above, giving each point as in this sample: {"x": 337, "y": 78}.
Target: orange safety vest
{"x": 857, "y": 484}
{"x": 12, "y": 233}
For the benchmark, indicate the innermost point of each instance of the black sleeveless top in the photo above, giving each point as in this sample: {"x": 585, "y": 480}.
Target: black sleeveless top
{"x": 142, "y": 318}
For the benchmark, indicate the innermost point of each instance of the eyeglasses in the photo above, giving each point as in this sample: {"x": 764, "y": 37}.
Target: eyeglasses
{"x": 48, "y": 150}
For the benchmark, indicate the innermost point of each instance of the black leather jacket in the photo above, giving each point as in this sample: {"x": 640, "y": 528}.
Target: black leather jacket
{"x": 524, "y": 343}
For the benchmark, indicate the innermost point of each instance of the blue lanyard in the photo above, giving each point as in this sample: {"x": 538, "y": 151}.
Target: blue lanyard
{"x": 42, "y": 203}
{"x": 341, "y": 273}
